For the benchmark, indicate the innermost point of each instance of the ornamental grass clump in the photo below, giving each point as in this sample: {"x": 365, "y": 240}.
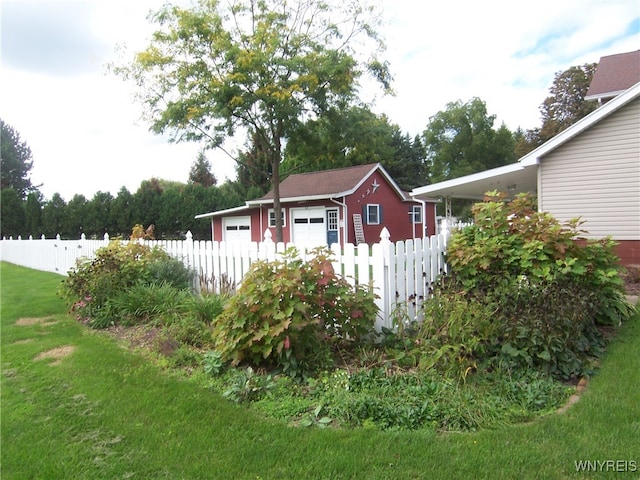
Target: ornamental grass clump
{"x": 288, "y": 313}
{"x": 546, "y": 287}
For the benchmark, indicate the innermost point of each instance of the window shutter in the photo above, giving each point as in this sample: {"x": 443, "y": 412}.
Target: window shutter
{"x": 380, "y": 214}
{"x": 365, "y": 214}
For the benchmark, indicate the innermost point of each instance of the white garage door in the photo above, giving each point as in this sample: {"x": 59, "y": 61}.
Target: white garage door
{"x": 309, "y": 227}
{"x": 236, "y": 229}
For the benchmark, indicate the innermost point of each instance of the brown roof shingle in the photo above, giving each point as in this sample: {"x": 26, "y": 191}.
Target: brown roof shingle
{"x": 615, "y": 74}
{"x": 323, "y": 183}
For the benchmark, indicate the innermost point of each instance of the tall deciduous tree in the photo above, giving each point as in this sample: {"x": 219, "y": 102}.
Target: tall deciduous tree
{"x": 461, "y": 140}
{"x": 257, "y": 65}
{"x": 564, "y": 106}
{"x": 356, "y": 136}
{"x": 16, "y": 161}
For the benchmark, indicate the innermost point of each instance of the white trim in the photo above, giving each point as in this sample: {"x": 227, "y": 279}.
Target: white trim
{"x": 282, "y": 213}
{"x": 222, "y": 212}
{"x": 366, "y": 220}
{"x": 420, "y": 211}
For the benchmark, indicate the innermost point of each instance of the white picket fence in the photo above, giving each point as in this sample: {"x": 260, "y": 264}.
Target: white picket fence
{"x": 399, "y": 272}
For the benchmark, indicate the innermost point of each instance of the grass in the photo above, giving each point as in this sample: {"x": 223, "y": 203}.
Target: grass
{"x": 104, "y": 412}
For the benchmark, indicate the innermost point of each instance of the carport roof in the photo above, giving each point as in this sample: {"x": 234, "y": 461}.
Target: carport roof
{"x": 514, "y": 178}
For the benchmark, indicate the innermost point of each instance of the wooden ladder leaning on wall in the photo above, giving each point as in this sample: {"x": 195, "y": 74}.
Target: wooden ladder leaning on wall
{"x": 357, "y": 225}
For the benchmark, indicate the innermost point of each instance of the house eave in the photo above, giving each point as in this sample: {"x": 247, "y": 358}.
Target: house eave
{"x": 512, "y": 178}
{"x": 223, "y": 212}
{"x": 604, "y": 95}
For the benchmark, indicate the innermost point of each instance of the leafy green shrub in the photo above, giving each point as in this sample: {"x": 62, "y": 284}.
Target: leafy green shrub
{"x": 114, "y": 268}
{"x": 549, "y": 327}
{"x": 212, "y": 363}
{"x": 456, "y": 333}
{"x": 170, "y": 271}
{"x": 287, "y": 311}
{"x": 511, "y": 243}
{"x": 543, "y": 288}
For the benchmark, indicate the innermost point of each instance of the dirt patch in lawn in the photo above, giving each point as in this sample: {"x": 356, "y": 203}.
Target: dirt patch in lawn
{"x": 29, "y": 321}
{"x": 57, "y": 354}
{"x": 137, "y": 337}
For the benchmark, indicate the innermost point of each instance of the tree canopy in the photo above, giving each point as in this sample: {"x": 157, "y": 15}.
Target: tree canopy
{"x": 16, "y": 161}
{"x": 356, "y": 136}
{"x": 461, "y": 140}
{"x": 259, "y": 66}
{"x": 564, "y": 106}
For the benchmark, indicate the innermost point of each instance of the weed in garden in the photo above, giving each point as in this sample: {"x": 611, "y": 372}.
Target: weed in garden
{"x": 213, "y": 363}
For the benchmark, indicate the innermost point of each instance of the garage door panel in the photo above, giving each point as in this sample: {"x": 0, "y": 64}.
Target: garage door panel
{"x": 309, "y": 228}
{"x": 237, "y": 229}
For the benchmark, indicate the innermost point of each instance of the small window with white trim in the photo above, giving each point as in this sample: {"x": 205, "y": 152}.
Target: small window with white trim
{"x": 373, "y": 214}
{"x": 272, "y": 218}
{"x": 416, "y": 214}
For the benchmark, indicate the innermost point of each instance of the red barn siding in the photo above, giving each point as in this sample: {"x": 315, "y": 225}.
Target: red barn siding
{"x": 395, "y": 212}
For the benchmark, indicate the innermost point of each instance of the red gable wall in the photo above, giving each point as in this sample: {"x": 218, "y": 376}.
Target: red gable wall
{"x": 395, "y": 212}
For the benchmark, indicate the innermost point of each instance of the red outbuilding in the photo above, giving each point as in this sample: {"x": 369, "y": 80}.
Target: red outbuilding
{"x": 345, "y": 205}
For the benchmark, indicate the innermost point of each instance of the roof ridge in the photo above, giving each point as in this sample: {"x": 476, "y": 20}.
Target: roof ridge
{"x": 370, "y": 165}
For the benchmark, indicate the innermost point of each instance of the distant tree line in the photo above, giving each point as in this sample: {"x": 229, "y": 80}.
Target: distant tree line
{"x": 460, "y": 140}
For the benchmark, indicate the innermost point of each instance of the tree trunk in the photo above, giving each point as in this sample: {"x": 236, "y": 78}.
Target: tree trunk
{"x": 275, "y": 181}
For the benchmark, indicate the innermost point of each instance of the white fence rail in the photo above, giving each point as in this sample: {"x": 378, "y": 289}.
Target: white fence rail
{"x": 399, "y": 272}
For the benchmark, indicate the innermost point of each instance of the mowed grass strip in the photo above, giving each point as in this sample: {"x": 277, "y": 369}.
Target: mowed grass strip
{"x": 98, "y": 411}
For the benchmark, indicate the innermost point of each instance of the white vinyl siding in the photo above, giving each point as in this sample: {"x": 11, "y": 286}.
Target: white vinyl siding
{"x": 596, "y": 176}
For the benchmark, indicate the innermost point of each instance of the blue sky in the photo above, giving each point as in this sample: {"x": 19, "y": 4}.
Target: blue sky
{"x": 85, "y": 130}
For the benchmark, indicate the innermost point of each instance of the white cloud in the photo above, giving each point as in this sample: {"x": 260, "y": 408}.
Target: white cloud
{"x": 84, "y": 128}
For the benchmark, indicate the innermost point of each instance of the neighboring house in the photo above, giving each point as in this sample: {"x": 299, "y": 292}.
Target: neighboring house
{"x": 321, "y": 208}
{"x": 590, "y": 170}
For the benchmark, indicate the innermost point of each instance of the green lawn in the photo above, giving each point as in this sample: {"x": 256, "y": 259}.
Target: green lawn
{"x": 104, "y": 412}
